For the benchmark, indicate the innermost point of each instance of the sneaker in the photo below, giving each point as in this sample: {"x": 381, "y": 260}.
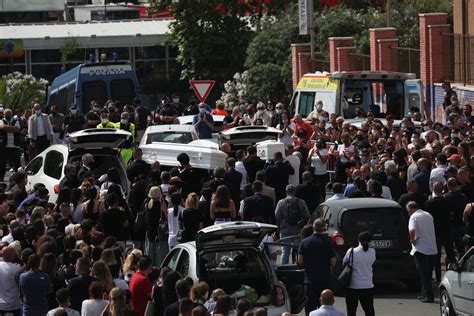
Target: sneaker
{"x": 427, "y": 300}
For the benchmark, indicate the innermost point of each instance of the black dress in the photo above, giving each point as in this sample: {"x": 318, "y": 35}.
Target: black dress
{"x": 191, "y": 219}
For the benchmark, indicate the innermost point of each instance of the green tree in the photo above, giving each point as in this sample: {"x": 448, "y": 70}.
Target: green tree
{"x": 268, "y": 61}
{"x": 212, "y": 35}
{"x": 17, "y": 90}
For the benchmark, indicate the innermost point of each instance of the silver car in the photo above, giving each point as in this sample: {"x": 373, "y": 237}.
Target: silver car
{"x": 456, "y": 290}
{"x": 231, "y": 256}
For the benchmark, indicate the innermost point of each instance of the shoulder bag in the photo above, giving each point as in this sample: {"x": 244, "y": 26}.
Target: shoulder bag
{"x": 346, "y": 275}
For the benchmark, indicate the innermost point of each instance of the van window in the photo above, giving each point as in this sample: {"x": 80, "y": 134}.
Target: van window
{"x": 70, "y": 94}
{"x": 62, "y": 100}
{"x": 53, "y": 165}
{"x": 382, "y": 223}
{"x": 34, "y": 166}
{"x": 93, "y": 90}
{"x": 53, "y": 99}
{"x": 306, "y": 104}
{"x": 123, "y": 90}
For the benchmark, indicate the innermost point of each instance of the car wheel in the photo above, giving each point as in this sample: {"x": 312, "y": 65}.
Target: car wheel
{"x": 446, "y": 308}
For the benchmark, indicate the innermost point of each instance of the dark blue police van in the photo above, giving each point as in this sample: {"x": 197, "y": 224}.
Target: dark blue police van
{"x": 101, "y": 81}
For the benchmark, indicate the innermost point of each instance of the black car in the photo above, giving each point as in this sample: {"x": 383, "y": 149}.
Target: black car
{"x": 387, "y": 221}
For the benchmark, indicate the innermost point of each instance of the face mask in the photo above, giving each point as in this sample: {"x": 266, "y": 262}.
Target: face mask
{"x": 413, "y": 140}
{"x": 175, "y": 100}
{"x": 426, "y": 128}
{"x": 318, "y": 107}
{"x": 96, "y": 109}
{"x": 453, "y": 135}
{"x": 454, "y": 103}
{"x": 202, "y": 110}
{"x": 278, "y": 111}
{"x": 123, "y": 121}
{"x": 363, "y": 159}
{"x": 261, "y": 111}
{"x": 38, "y": 112}
{"x": 242, "y": 106}
{"x": 73, "y": 112}
{"x": 104, "y": 121}
{"x": 373, "y": 161}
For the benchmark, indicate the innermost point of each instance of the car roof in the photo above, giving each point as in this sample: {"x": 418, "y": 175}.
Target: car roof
{"x": 171, "y": 127}
{"x": 361, "y": 203}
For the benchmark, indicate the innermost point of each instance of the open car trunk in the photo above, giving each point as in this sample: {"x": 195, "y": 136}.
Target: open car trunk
{"x": 103, "y": 160}
{"x": 241, "y": 273}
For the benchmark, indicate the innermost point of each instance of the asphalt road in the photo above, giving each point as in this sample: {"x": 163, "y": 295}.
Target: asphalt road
{"x": 395, "y": 299}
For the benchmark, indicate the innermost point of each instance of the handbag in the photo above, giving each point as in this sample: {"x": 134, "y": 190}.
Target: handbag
{"x": 150, "y": 309}
{"x": 140, "y": 222}
{"x": 346, "y": 275}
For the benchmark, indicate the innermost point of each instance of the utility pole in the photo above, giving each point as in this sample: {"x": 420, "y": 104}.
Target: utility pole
{"x": 389, "y": 13}
{"x": 311, "y": 31}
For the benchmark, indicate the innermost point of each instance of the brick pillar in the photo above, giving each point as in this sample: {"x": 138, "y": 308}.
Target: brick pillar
{"x": 340, "y": 50}
{"x": 381, "y": 55}
{"x": 300, "y": 61}
{"x": 433, "y": 53}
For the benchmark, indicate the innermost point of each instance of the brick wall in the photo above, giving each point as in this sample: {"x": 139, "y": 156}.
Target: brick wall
{"x": 300, "y": 61}
{"x": 432, "y": 54}
{"x": 340, "y": 50}
{"x": 381, "y": 41}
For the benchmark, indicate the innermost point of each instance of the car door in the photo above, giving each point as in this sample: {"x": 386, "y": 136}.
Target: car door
{"x": 289, "y": 274}
{"x": 171, "y": 260}
{"x": 463, "y": 285}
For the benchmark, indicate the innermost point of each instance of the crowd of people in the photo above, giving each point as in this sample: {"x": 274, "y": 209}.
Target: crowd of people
{"x": 95, "y": 250}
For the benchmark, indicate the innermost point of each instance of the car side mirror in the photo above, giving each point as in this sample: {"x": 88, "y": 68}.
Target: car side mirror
{"x": 453, "y": 267}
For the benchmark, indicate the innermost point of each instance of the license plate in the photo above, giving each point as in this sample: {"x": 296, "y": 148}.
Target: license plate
{"x": 381, "y": 244}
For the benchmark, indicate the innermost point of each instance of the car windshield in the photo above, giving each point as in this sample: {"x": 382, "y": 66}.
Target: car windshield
{"x": 170, "y": 137}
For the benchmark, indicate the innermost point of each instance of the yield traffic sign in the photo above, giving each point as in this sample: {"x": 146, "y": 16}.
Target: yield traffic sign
{"x": 202, "y": 88}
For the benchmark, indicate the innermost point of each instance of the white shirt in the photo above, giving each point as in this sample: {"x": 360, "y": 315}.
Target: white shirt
{"x": 271, "y": 249}
{"x": 423, "y": 225}
{"x": 437, "y": 175}
{"x": 239, "y": 166}
{"x": 362, "y": 263}
{"x": 285, "y": 137}
{"x": 337, "y": 196}
{"x": 69, "y": 311}
{"x": 326, "y": 310}
{"x": 93, "y": 307}
{"x": 173, "y": 226}
{"x": 9, "y": 294}
{"x": 295, "y": 162}
{"x": 386, "y": 194}
{"x": 341, "y": 148}
{"x": 122, "y": 284}
{"x": 7, "y": 238}
{"x": 320, "y": 168}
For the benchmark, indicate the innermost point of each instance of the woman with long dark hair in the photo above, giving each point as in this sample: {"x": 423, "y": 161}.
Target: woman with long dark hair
{"x": 222, "y": 208}
{"x": 174, "y": 213}
{"x": 361, "y": 288}
{"x": 92, "y": 207}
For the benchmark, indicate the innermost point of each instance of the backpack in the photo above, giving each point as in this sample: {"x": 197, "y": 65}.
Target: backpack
{"x": 295, "y": 214}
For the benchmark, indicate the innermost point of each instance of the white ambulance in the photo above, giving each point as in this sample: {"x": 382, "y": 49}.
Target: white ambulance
{"x": 341, "y": 92}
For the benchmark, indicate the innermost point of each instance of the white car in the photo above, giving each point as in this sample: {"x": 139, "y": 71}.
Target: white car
{"x": 230, "y": 256}
{"x": 243, "y": 136}
{"x": 48, "y": 166}
{"x": 188, "y": 120}
{"x": 456, "y": 290}
{"x": 164, "y": 143}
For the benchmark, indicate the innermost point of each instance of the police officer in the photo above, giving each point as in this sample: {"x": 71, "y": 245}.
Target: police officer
{"x": 104, "y": 121}
{"x": 127, "y": 146}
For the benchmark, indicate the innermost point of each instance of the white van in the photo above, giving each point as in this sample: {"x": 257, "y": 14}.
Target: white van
{"x": 341, "y": 92}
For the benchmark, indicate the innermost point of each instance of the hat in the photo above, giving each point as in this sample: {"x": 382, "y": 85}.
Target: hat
{"x": 454, "y": 156}
{"x": 154, "y": 193}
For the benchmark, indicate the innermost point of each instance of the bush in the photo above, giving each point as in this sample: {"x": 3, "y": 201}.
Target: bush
{"x": 17, "y": 90}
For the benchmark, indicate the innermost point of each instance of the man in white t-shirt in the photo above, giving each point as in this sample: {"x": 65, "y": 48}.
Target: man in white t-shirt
{"x": 9, "y": 294}
{"x": 424, "y": 250}
{"x": 326, "y": 309}
{"x": 239, "y": 166}
{"x": 62, "y": 297}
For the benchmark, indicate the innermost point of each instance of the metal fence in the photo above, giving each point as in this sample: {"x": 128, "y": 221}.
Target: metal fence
{"x": 320, "y": 64}
{"x": 360, "y": 61}
{"x": 460, "y": 57}
{"x": 407, "y": 59}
